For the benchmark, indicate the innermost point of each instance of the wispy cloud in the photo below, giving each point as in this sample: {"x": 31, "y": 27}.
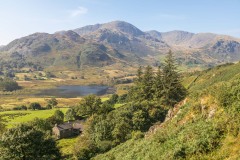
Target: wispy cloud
{"x": 78, "y": 12}
{"x": 172, "y": 16}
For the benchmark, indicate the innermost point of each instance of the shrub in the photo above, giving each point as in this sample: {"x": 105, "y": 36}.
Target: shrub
{"x": 137, "y": 135}
{"x": 22, "y": 107}
{"x": 35, "y": 106}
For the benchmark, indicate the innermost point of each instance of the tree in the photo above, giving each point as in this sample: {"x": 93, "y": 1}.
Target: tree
{"x": 85, "y": 148}
{"x": 88, "y": 105}
{"x": 173, "y": 90}
{"x": 53, "y": 121}
{"x": 139, "y": 74}
{"x": 59, "y": 115}
{"x": 41, "y": 124}
{"x": 48, "y": 106}
{"x": 52, "y": 102}
{"x": 8, "y": 84}
{"x": 70, "y": 114}
{"x": 2, "y": 126}
{"x": 147, "y": 81}
{"x": 113, "y": 99}
{"x": 158, "y": 85}
{"x": 121, "y": 131}
{"x": 25, "y": 142}
{"x": 21, "y": 107}
{"x": 122, "y": 98}
{"x": 143, "y": 89}
{"x": 49, "y": 75}
{"x": 35, "y": 106}
{"x": 106, "y": 107}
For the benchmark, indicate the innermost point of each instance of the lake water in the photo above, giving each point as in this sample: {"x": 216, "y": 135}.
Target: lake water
{"x": 74, "y": 91}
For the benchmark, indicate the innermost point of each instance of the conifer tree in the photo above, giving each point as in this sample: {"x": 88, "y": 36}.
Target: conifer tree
{"x": 158, "y": 85}
{"x": 147, "y": 84}
{"x": 173, "y": 91}
{"x": 135, "y": 92}
{"x": 139, "y": 74}
{"x": 143, "y": 89}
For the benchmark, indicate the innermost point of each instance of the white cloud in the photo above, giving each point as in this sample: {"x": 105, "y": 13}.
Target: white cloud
{"x": 78, "y": 12}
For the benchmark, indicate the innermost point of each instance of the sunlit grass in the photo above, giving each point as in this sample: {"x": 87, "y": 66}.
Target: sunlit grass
{"x": 13, "y": 118}
{"x": 118, "y": 105}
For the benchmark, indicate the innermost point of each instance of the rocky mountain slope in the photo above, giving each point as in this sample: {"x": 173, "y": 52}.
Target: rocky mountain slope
{"x": 120, "y": 42}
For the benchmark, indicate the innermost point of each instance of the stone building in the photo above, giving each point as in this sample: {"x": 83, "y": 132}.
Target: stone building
{"x": 67, "y": 129}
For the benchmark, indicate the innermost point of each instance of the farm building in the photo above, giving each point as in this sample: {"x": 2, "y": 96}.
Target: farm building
{"x": 67, "y": 129}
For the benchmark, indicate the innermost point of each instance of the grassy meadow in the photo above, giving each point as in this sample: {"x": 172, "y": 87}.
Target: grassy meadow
{"x": 9, "y": 102}
{"x": 13, "y": 118}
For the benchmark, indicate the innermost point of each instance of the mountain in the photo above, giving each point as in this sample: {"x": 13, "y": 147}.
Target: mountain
{"x": 120, "y": 42}
{"x": 65, "y": 49}
{"x": 118, "y": 26}
{"x": 122, "y": 36}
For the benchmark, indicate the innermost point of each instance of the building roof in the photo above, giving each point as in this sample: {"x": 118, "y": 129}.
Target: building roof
{"x": 64, "y": 126}
{"x": 71, "y": 125}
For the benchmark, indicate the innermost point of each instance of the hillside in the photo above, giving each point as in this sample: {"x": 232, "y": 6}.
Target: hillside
{"x": 118, "y": 43}
{"x": 66, "y": 49}
{"x": 204, "y": 126}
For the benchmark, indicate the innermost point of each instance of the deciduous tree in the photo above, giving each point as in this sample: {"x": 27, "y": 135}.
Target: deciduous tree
{"x": 25, "y": 142}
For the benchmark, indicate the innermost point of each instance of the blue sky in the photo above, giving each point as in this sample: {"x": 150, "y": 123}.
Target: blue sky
{"x": 23, "y": 17}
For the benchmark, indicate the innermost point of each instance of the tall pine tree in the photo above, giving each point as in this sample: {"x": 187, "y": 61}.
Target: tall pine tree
{"x": 143, "y": 89}
{"x": 158, "y": 85}
{"x": 134, "y": 93}
{"x": 173, "y": 91}
{"x": 139, "y": 74}
{"x": 147, "y": 84}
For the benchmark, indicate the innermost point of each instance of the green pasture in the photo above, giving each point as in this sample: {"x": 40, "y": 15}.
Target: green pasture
{"x": 13, "y": 118}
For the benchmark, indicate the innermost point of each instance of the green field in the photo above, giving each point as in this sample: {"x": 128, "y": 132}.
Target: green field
{"x": 13, "y": 118}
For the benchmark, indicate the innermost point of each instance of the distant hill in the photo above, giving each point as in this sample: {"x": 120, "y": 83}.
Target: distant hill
{"x": 121, "y": 42}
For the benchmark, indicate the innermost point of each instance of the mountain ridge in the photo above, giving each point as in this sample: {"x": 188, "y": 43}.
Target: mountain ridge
{"x": 135, "y": 45}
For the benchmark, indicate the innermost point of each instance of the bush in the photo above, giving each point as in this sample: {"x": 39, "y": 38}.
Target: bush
{"x": 122, "y": 98}
{"x": 35, "y": 106}
{"x": 22, "y": 107}
{"x": 85, "y": 148}
{"x": 49, "y": 106}
{"x": 137, "y": 135}
{"x": 104, "y": 146}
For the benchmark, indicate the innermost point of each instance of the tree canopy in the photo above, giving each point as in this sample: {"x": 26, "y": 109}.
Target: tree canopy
{"x": 163, "y": 86}
{"x": 88, "y": 106}
{"x": 70, "y": 114}
{"x": 52, "y": 102}
{"x": 35, "y": 106}
{"x": 8, "y": 84}
{"x": 26, "y": 142}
